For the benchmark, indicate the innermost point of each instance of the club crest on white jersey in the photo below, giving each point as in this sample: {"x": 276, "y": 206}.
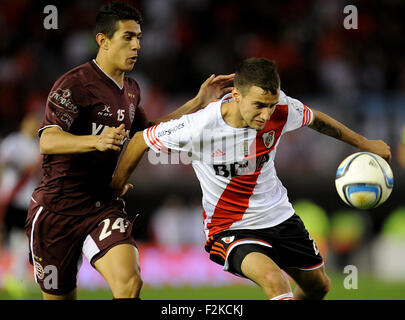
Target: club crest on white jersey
{"x": 268, "y": 138}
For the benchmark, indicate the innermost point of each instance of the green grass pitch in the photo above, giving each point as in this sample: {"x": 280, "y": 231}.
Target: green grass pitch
{"x": 369, "y": 288}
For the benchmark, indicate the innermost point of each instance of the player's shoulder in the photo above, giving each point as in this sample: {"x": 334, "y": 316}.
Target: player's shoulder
{"x": 132, "y": 84}
{"x": 290, "y": 102}
{"x": 77, "y": 77}
{"x": 208, "y": 116}
{"x": 286, "y": 99}
{"x": 283, "y": 98}
{"x": 131, "y": 81}
{"x": 287, "y": 106}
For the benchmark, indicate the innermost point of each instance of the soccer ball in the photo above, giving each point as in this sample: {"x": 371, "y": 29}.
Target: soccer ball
{"x": 364, "y": 180}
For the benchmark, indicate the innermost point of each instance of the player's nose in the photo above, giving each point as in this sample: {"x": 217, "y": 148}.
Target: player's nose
{"x": 136, "y": 44}
{"x": 266, "y": 114}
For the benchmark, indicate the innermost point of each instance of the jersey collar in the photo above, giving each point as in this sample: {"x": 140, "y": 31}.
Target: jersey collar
{"x": 120, "y": 87}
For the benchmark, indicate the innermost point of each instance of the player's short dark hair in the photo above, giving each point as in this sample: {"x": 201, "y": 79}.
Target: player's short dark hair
{"x": 260, "y": 72}
{"x": 109, "y": 14}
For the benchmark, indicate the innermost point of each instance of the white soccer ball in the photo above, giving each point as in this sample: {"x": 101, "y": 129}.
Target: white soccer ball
{"x": 364, "y": 180}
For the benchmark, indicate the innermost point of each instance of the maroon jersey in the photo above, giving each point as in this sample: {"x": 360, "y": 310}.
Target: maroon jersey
{"x": 85, "y": 101}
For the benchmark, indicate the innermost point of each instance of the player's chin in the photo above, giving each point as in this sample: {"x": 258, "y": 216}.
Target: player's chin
{"x": 128, "y": 68}
{"x": 257, "y": 126}
{"x": 129, "y": 65}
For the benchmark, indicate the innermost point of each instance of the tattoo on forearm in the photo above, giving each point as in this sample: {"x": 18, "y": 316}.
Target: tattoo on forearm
{"x": 327, "y": 129}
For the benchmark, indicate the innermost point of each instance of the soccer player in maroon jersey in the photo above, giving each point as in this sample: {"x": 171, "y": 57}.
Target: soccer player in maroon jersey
{"x": 90, "y": 112}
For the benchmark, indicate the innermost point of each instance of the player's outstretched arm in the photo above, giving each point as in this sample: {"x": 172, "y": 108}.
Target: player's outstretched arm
{"x": 128, "y": 162}
{"x": 56, "y": 141}
{"x": 333, "y": 128}
{"x": 212, "y": 88}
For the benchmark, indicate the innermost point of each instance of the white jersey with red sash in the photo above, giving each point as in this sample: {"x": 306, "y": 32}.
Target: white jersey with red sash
{"x": 235, "y": 166}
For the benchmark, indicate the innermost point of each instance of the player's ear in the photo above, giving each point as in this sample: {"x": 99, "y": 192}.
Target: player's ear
{"x": 102, "y": 41}
{"x": 236, "y": 95}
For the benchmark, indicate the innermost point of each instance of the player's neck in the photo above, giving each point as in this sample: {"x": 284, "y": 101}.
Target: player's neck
{"x": 231, "y": 115}
{"x": 110, "y": 70}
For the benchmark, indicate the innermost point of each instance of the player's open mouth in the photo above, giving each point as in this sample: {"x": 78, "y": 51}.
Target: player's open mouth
{"x": 133, "y": 59}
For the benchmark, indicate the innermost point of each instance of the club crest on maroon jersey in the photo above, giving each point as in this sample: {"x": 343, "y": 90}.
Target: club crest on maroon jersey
{"x": 131, "y": 112}
{"x": 268, "y": 138}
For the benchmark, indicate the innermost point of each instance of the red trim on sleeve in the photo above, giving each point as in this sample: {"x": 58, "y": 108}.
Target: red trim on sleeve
{"x": 151, "y": 135}
{"x": 306, "y": 117}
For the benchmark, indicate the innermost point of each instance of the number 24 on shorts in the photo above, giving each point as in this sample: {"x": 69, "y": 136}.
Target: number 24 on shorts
{"x": 117, "y": 225}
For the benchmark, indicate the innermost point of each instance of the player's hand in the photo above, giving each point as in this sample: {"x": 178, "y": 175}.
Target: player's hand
{"x": 214, "y": 87}
{"x": 111, "y": 139}
{"x": 118, "y": 190}
{"x": 378, "y": 147}
{"x": 127, "y": 187}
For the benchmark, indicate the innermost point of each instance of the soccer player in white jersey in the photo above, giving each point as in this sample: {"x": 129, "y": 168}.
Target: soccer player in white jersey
{"x": 250, "y": 225}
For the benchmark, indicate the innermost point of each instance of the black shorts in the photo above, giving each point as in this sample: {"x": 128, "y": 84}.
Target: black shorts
{"x": 287, "y": 244}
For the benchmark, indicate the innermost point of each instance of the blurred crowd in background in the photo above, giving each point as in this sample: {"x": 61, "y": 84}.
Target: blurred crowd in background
{"x": 355, "y": 75}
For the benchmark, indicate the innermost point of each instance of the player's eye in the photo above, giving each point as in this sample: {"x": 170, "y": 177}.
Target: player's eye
{"x": 262, "y": 105}
{"x": 128, "y": 38}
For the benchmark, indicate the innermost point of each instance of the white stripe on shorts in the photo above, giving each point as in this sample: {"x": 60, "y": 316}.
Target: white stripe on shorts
{"x": 239, "y": 242}
{"x": 32, "y": 241}
{"x": 90, "y": 248}
{"x": 313, "y": 267}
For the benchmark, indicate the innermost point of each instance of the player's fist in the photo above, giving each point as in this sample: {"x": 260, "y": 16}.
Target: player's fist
{"x": 378, "y": 147}
{"x": 111, "y": 139}
{"x": 119, "y": 190}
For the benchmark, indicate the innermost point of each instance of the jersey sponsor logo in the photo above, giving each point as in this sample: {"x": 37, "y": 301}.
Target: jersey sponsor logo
{"x": 241, "y": 168}
{"x": 232, "y": 170}
{"x": 171, "y": 130}
{"x": 228, "y": 240}
{"x": 218, "y": 153}
{"x": 105, "y": 112}
{"x": 268, "y": 138}
{"x": 99, "y": 128}
{"x": 64, "y": 117}
{"x": 63, "y": 99}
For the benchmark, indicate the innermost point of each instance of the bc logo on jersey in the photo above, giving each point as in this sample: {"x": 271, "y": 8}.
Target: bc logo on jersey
{"x": 268, "y": 138}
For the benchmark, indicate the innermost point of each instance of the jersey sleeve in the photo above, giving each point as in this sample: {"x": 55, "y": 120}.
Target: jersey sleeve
{"x": 174, "y": 135}
{"x": 299, "y": 115}
{"x": 62, "y": 106}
